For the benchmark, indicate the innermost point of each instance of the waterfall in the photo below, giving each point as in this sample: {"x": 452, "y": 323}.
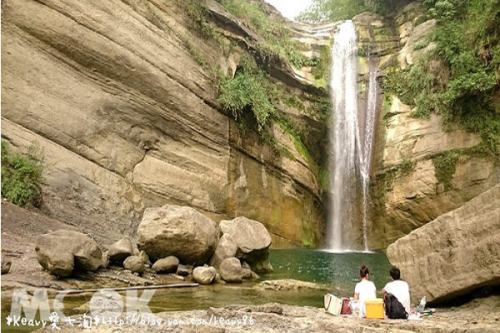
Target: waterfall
{"x": 343, "y": 128}
{"x": 350, "y": 144}
{"x": 367, "y": 147}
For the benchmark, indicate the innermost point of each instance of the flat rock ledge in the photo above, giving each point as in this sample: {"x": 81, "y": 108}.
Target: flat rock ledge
{"x": 288, "y": 285}
{"x": 278, "y": 318}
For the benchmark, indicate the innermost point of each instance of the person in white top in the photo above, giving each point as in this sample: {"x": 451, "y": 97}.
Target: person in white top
{"x": 398, "y": 288}
{"x": 364, "y": 289}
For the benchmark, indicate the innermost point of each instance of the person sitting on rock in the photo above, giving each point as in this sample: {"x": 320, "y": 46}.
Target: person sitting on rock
{"x": 363, "y": 290}
{"x": 398, "y": 288}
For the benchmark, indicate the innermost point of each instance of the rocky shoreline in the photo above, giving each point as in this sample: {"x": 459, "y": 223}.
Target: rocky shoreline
{"x": 481, "y": 316}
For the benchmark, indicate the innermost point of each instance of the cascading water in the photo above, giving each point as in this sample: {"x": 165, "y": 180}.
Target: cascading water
{"x": 350, "y": 145}
{"x": 343, "y": 130}
{"x": 367, "y": 148}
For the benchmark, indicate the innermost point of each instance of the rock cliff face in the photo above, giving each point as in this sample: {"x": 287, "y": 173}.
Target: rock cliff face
{"x": 454, "y": 254}
{"x": 120, "y": 97}
{"x": 420, "y": 169}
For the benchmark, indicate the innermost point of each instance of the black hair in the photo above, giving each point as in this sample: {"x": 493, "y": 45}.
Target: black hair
{"x": 395, "y": 273}
{"x": 364, "y": 271}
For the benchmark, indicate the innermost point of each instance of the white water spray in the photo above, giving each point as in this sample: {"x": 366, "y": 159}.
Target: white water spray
{"x": 367, "y": 148}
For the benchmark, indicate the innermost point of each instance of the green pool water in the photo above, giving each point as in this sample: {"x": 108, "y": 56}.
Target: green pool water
{"x": 338, "y": 272}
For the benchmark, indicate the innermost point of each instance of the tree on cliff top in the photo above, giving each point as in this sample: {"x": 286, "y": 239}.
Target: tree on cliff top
{"x": 337, "y": 10}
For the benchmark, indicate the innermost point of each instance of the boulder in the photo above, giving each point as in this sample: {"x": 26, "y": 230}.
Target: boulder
{"x": 247, "y": 271}
{"x": 252, "y": 239}
{"x": 144, "y": 257}
{"x": 105, "y": 260}
{"x": 231, "y": 271}
{"x": 166, "y": 265}
{"x": 454, "y": 254}
{"x": 120, "y": 250}
{"x": 184, "y": 270}
{"x": 226, "y": 248}
{"x": 62, "y": 251}
{"x": 6, "y": 266}
{"x": 134, "y": 263}
{"x": 179, "y": 231}
{"x": 204, "y": 275}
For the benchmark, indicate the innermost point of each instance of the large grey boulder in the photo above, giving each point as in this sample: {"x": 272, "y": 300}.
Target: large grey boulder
{"x": 166, "y": 265}
{"x": 231, "y": 271}
{"x": 252, "y": 239}
{"x": 455, "y": 253}
{"x": 134, "y": 263}
{"x": 204, "y": 275}
{"x": 120, "y": 250}
{"x": 179, "y": 231}
{"x": 62, "y": 251}
{"x": 226, "y": 248}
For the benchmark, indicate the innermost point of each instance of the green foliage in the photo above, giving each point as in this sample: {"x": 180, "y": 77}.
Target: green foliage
{"x": 406, "y": 167}
{"x": 321, "y": 70}
{"x": 332, "y": 10}
{"x": 421, "y": 44}
{"x": 324, "y": 178}
{"x": 337, "y": 10}
{"x": 445, "y": 166}
{"x": 277, "y": 43}
{"x": 446, "y": 9}
{"x": 195, "y": 53}
{"x": 421, "y": 19}
{"x": 413, "y": 86}
{"x": 323, "y": 108}
{"x": 294, "y": 101}
{"x": 250, "y": 91}
{"x": 22, "y": 176}
{"x": 467, "y": 38}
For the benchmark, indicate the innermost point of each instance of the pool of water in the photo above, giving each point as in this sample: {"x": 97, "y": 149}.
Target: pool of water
{"x": 338, "y": 272}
